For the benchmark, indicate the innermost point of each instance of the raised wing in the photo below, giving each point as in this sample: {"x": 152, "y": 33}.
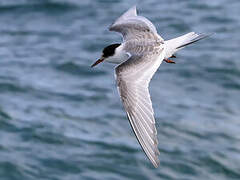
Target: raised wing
{"x": 133, "y": 77}
{"x": 130, "y": 25}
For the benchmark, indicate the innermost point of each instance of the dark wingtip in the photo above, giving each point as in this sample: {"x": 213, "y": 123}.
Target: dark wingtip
{"x": 198, "y": 38}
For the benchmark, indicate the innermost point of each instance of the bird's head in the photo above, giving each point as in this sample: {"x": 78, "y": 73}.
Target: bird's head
{"x": 108, "y": 54}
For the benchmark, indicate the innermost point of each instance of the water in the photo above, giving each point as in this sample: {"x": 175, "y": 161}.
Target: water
{"x": 62, "y": 120}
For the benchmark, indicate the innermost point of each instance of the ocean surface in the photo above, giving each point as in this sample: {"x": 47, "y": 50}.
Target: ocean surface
{"x": 62, "y": 120}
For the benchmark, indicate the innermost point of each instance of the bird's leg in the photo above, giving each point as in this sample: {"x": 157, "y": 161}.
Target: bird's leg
{"x": 169, "y": 61}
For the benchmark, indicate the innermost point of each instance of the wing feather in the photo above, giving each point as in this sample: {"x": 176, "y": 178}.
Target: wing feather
{"x": 133, "y": 77}
{"x": 130, "y": 25}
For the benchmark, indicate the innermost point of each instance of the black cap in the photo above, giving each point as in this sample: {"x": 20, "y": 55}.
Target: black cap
{"x": 110, "y": 50}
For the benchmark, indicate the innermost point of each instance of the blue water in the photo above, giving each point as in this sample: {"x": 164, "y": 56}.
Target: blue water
{"x": 62, "y": 120}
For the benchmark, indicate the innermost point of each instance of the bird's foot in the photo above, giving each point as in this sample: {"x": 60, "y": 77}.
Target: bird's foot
{"x": 169, "y": 61}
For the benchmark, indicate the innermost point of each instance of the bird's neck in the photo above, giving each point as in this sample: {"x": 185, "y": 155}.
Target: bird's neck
{"x": 119, "y": 56}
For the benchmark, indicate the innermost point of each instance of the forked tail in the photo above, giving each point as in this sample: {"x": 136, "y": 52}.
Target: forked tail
{"x": 173, "y": 45}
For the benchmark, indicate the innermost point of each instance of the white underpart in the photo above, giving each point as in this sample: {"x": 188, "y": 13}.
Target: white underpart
{"x": 119, "y": 56}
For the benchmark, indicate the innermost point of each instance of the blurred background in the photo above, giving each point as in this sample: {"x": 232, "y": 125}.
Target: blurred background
{"x": 62, "y": 120}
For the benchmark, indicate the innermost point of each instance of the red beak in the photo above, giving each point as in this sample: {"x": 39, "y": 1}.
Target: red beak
{"x": 97, "y": 62}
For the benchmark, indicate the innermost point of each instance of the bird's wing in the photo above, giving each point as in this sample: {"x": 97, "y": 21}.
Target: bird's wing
{"x": 130, "y": 25}
{"x": 133, "y": 77}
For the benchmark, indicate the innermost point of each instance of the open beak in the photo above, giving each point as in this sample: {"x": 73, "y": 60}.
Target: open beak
{"x": 97, "y": 62}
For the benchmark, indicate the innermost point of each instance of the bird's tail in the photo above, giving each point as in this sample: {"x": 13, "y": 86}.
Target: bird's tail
{"x": 173, "y": 45}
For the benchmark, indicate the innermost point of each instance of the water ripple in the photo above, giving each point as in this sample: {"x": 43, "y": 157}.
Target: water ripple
{"x": 62, "y": 120}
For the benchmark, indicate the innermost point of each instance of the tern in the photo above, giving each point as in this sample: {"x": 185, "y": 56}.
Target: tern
{"x": 138, "y": 58}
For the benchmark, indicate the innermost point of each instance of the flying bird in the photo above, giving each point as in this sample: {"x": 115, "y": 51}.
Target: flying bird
{"x": 138, "y": 58}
